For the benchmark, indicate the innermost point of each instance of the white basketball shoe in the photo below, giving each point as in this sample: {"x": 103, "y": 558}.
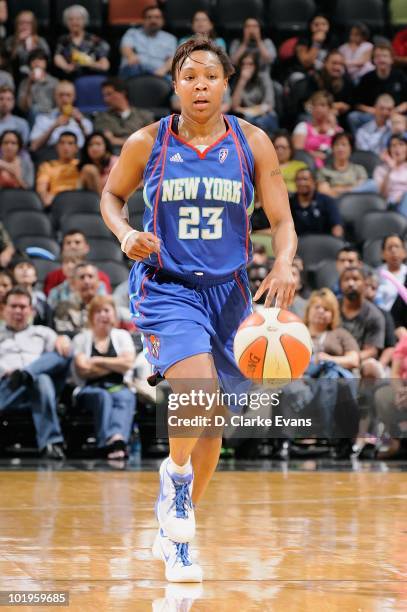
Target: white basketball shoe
{"x": 174, "y": 509}
{"x": 178, "y": 564}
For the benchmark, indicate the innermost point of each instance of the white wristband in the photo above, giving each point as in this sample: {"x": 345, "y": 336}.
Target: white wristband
{"x": 126, "y": 237}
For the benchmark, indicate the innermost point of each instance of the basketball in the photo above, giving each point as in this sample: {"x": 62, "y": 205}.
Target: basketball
{"x": 274, "y": 344}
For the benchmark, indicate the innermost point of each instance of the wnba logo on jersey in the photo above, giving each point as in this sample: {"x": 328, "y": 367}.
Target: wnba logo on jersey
{"x": 155, "y": 346}
{"x": 223, "y": 153}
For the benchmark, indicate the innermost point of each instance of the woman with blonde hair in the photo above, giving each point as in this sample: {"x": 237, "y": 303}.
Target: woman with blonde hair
{"x": 103, "y": 361}
{"x": 315, "y": 135}
{"x": 25, "y": 40}
{"x": 331, "y": 342}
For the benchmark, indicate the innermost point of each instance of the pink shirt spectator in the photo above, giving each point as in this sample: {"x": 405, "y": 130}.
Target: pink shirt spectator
{"x": 316, "y": 141}
{"x": 400, "y": 352}
{"x": 397, "y": 182}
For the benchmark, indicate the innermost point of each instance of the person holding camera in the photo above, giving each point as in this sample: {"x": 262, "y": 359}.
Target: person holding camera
{"x": 36, "y": 91}
{"x": 253, "y": 41}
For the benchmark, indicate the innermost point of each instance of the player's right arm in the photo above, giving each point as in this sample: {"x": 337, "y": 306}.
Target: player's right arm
{"x": 123, "y": 179}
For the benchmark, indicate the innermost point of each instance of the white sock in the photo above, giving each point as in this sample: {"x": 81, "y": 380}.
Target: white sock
{"x": 179, "y": 469}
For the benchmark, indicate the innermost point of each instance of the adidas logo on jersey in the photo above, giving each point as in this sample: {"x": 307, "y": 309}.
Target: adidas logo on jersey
{"x": 176, "y": 158}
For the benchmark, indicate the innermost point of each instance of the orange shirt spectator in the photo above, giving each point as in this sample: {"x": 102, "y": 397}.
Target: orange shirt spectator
{"x": 60, "y": 174}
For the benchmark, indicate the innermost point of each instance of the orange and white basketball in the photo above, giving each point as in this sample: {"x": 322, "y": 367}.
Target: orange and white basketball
{"x": 272, "y": 345}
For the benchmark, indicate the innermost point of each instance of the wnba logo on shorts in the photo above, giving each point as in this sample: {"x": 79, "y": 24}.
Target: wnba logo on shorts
{"x": 155, "y": 346}
{"x": 223, "y": 153}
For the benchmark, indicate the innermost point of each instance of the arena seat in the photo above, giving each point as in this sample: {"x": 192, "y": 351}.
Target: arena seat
{"x": 44, "y": 266}
{"x": 301, "y": 155}
{"x": 367, "y": 159}
{"x": 369, "y": 12}
{"x": 117, "y": 272}
{"x": 136, "y": 201}
{"x": 323, "y": 275}
{"x": 92, "y": 225}
{"x": 44, "y": 242}
{"x": 40, "y": 8}
{"x": 313, "y": 248}
{"x": 152, "y": 92}
{"x": 31, "y": 223}
{"x": 18, "y": 199}
{"x": 289, "y": 15}
{"x": 380, "y": 224}
{"x": 69, "y": 203}
{"x": 372, "y": 252}
{"x": 353, "y": 206}
{"x": 89, "y": 97}
{"x": 94, "y": 8}
{"x": 123, "y": 12}
{"x": 230, "y": 14}
{"x": 179, "y": 13}
{"x": 104, "y": 248}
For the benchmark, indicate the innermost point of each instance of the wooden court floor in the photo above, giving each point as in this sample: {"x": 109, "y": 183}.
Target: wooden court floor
{"x": 320, "y": 541}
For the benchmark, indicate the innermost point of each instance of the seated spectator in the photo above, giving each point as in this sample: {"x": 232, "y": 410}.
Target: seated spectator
{"x": 33, "y": 366}
{"x": 120, "y": 120}
{"x": 315, "y": 136}
{"x": 60, "y": 174}
{"x": 330, "y": 341}
{"x": 391, "y": 177}
{"x": 3, "y": 19}
{"x": 253, "y": 95}
{"x": 64, "y": 118}
{"x": 299, "y": 303}
{"x": 96, "y": 161}
{"x": 398, "y": 124}
{"x": 6, "y": 284}
{"x": 71, "y": 316}
{"x": 104, "y": 358}
{"x": 24, "y": 40}
{"x": 80, "y": 52}
{"x": 37, "y": 90}
{"x": 313, "y": 212}
{"x": 7, "y": 249}
{"x": 203, "y": 25}
{"x": 334, "y": 79}
{"x": 394, "y": 255}
{"x": 371, "y": 286}
{"x": 363, "y": 320}
{"x": 347, "y": 257}
{"x": 385, "y": 79}
{"x": 357, "y": 52}
{"x": 73, "y": 242}
{"x": 6, "y": 75}
{"x": 148, "y": 49}
{"x": 374, "y": 135}
{"x": 8, "y": 121}
{"x": 288, "y": 166}
{"x": 16, "y": 167}
{"x": 399, "y": 44}
{"x": 391, "y": 402}
{"x": 25, "y": 276}
{"x": 339, "y": 174}
{"x": 313, "y": 48}
{"x": 253, "y": 41}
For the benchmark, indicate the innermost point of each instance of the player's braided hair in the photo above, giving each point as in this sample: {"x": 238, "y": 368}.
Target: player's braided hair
{"x": 200, "y": 43}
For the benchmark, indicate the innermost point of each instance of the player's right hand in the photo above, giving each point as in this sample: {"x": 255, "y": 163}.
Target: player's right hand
{"x": 140, "y": 246}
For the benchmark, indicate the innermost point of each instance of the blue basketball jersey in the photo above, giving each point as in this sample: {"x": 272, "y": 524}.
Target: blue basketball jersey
{"x": 199, "y": 203}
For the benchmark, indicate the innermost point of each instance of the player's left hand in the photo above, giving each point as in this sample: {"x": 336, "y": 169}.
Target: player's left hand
{"x": 279, "y": 284}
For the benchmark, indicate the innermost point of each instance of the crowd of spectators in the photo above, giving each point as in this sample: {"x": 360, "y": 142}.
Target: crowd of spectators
{"x": 321, "y": 98}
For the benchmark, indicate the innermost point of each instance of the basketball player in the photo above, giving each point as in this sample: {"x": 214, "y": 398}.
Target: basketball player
{"x": 189, "y": 288}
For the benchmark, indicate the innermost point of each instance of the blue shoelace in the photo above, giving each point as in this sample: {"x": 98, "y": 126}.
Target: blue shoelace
{"x": 182, "y": 500}
{"x": 183, "y": 553}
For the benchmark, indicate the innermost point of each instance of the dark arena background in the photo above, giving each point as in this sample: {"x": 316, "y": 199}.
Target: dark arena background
{"x": 306, "y": 511}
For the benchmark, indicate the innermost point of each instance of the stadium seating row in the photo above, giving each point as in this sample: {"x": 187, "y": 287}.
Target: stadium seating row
{"x": 281, "y": 15}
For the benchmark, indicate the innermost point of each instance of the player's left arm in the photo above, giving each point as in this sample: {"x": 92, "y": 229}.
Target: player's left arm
{"x": 272, "y": 192}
